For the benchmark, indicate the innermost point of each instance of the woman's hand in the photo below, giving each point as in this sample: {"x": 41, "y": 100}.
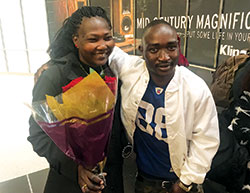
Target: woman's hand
{"x": 88, "y": 181}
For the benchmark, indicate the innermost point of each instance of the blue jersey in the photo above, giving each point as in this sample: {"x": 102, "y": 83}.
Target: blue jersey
{"x": 150, "y": 137}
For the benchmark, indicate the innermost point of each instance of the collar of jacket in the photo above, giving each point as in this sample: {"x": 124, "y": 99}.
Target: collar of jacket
{"x": 71, "y": 66}
{"x": 173, "y": 85}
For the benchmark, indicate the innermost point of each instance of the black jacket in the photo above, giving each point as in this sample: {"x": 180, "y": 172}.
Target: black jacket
{"x": 62, "y": 176}
{"x": 229, "y": 165}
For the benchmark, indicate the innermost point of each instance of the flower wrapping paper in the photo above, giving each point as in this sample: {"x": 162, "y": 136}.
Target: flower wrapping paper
{"x": 79, "y": 121}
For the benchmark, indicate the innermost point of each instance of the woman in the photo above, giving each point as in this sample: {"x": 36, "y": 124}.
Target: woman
{"x": 84, "y": 41}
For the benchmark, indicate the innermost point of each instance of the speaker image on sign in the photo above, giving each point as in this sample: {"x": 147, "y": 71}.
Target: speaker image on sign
{"x": 123, "y": 24}
{"x": 126, "y": 18}
{"x": 81, "y": 3}
{"x": 126, "y": 24}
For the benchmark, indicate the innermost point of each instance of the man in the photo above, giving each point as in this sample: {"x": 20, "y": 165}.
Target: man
{"x": 168, "y": 112}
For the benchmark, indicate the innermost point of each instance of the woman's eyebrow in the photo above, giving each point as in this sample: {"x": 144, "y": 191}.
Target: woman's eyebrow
{"x": 97, "y": 35}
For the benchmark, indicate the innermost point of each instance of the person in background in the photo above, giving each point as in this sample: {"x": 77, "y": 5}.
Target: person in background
{"x": 240, "y": 123}
{"x": 231, "y": 164}
{"x": 168, "y": 112}
{"x": 84, "y": 41}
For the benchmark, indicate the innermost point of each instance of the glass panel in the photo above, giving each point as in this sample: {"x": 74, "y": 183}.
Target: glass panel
{"x": 176, "y": 17}
{"x": 13, "y": 33}
{"x": 56, "y": 13}
{"x": 146, "y": 11}
{"x": 2, "y": 57}
{"x": 17, "y": 60}
{"x": 37, "y": 58}
{"x": 2, "y": 62}
{"x": 105, "y": 4}
{"x": 36, "y": 32}
{"x": 201, "y": 39}
{"x": 235, "y": 30}
{"x": 36, "y": 26}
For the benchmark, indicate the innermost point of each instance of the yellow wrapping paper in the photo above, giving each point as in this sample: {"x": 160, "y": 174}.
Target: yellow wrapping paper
{"x": 87, "y": 99}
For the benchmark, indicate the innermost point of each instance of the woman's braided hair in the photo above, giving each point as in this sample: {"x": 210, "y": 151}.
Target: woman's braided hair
{"x": 62, "y": 43}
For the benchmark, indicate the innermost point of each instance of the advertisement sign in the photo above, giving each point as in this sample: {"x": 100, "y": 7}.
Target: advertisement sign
{"x": 176, "y": 17}
{"x": 210, "y": 31}
{"x": 235, "y": 28}
{"x": 201, "y": 35}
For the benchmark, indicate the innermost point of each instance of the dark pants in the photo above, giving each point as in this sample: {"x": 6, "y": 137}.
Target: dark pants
{"x": 142, "y": 187}
{"x": 146, "y": 185}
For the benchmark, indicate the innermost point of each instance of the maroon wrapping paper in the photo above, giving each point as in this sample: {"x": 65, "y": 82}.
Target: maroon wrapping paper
{"x": 85, "y": 144}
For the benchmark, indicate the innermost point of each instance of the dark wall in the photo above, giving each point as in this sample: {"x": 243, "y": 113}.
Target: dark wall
{"x": 57, "y": 12}
{"x": 205, "y": 41}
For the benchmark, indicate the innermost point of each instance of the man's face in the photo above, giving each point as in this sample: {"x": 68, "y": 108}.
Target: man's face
{"x": 160, "y": 50}
{"x": 94, "y": 41}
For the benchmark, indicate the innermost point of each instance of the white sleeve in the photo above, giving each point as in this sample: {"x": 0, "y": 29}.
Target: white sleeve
{"x": 120, "y": 61}
{"x": 204, "y": 142}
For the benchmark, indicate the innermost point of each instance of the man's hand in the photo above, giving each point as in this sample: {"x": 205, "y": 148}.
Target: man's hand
{"x": 176, "y": 188}
{"x": 89, "y": 182}
{"x": 40, "y": 71}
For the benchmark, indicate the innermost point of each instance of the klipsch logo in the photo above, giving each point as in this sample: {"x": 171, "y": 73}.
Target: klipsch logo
{"x": 229, "y": 50}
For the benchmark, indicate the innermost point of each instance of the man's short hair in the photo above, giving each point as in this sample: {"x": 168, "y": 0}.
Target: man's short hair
{"x": 156, "y": 22}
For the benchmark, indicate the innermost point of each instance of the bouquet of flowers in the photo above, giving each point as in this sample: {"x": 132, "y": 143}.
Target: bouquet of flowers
{"x": 79, "y": 120}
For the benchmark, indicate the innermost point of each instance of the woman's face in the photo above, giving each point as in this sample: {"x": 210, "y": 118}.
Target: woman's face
{"x": 94, "y": 41}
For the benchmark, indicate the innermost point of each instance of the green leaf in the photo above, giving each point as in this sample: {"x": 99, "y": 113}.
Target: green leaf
{"x": 91, "y": 70}
{"x": 101, "y": 73}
